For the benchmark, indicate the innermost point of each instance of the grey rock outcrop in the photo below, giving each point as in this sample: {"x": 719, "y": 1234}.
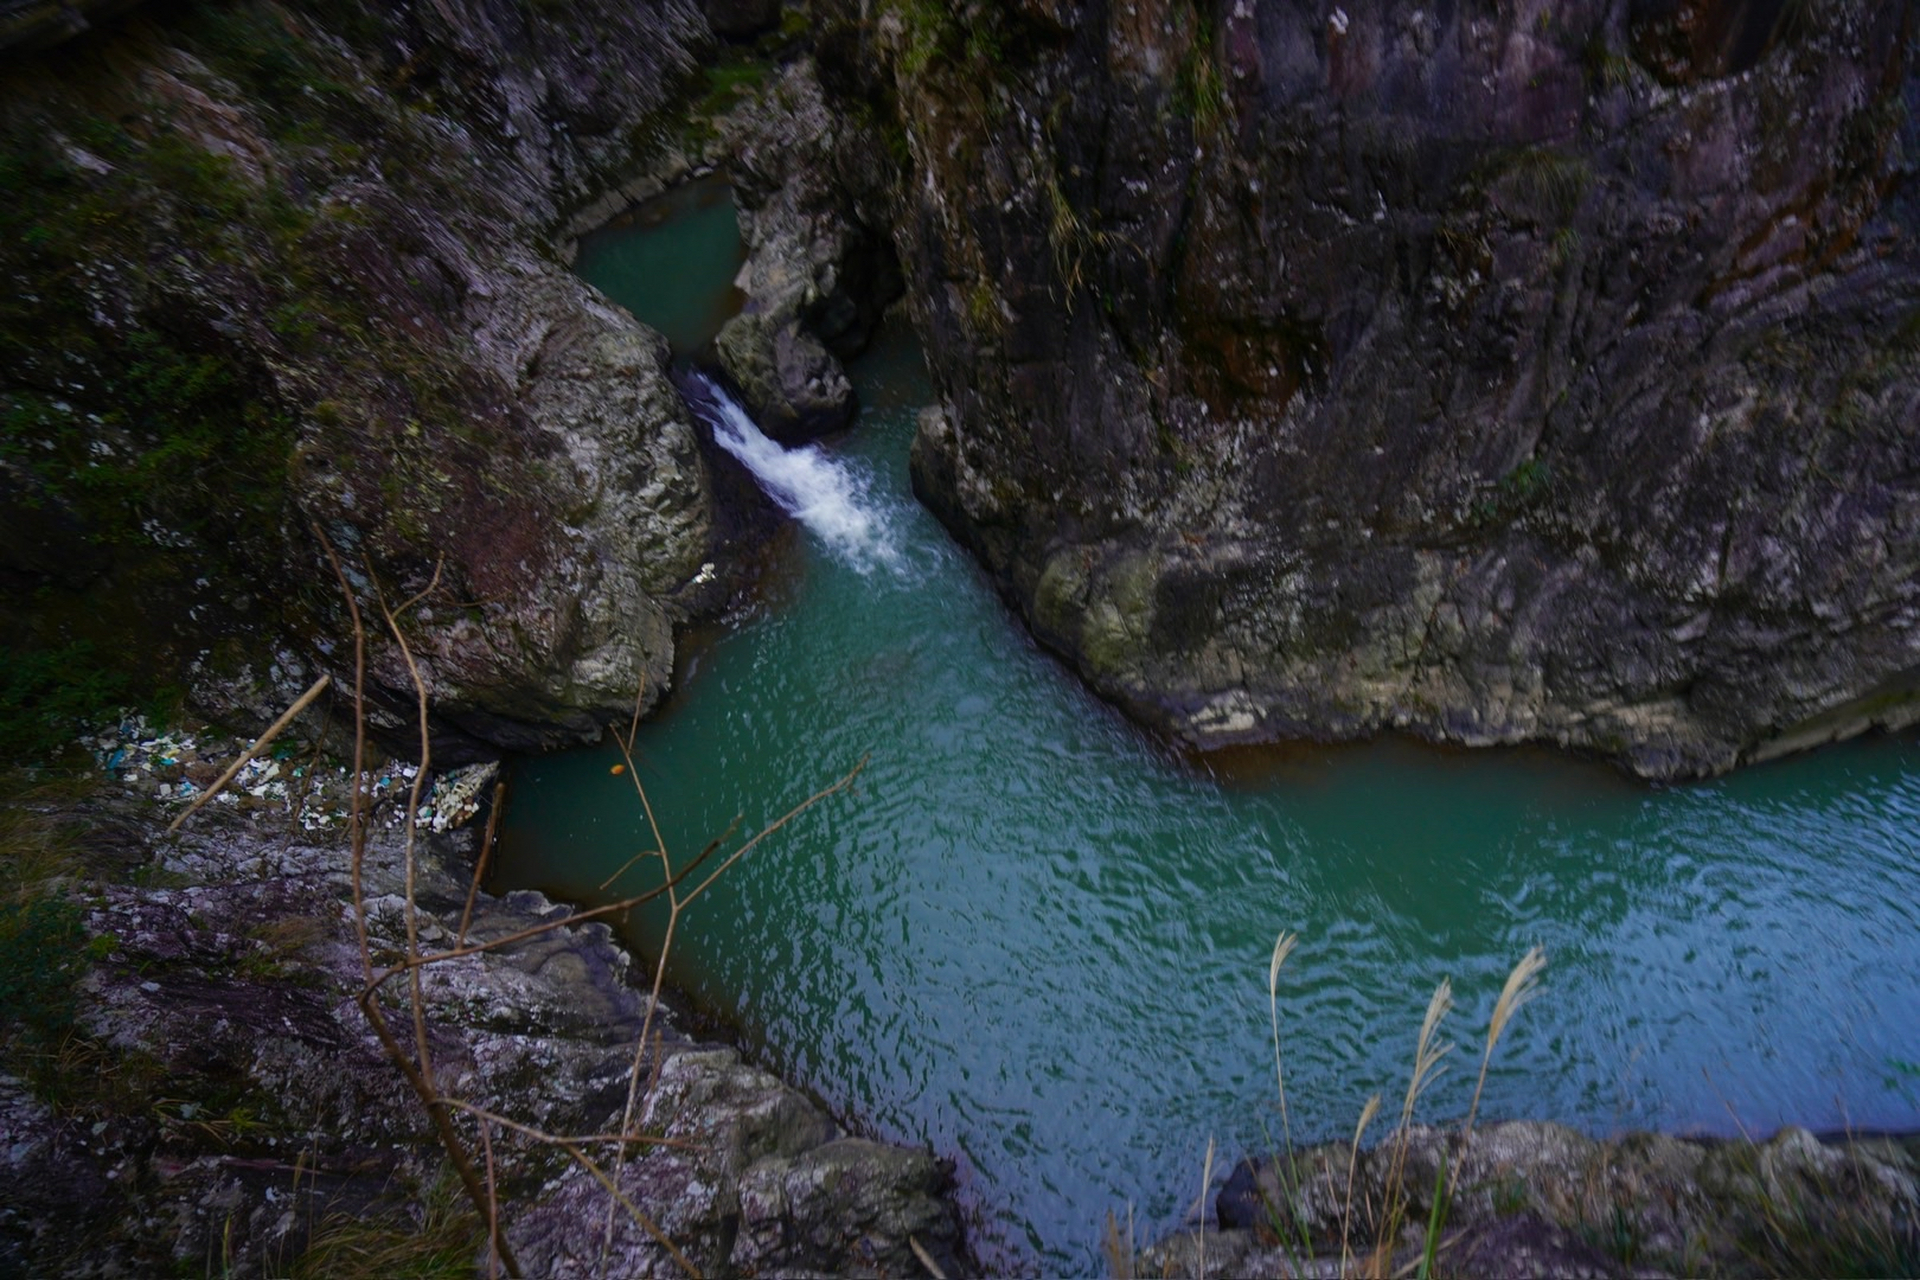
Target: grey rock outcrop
{"x": 1537, "y": 1199}
{"x": 812, "y": 190}
{"x": 1489, "y": 374}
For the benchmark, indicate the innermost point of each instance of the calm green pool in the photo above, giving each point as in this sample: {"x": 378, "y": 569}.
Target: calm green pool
{"x": 671, "y": 262}
{"x": 1038, "y": 941}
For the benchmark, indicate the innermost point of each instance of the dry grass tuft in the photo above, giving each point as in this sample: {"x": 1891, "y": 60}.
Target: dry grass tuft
{"x": 1367, "y": 1113}
{"x": 1523, "y": 984}
{"x": 1282, "y": 948}
{"x": 444, "y": 1243}
{"x": 1384, "y": 1220}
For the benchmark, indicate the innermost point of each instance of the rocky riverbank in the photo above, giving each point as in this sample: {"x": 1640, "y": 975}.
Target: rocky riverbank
{"x": 292, "y": 287}
{"x": 1536, "y": 1199}
{"x": 211, "y": 1097}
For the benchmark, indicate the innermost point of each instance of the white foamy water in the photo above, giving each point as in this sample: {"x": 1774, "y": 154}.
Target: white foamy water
{"x": 830, "y": 497}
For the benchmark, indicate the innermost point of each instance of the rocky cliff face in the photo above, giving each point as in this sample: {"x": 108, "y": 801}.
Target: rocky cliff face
{"x": 288, "y": 271}
{"x": 1491, "y": 373}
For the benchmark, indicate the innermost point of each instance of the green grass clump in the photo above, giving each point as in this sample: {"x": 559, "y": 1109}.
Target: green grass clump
{"x": 43, "y": 954}
{"x": 48, "y": 695}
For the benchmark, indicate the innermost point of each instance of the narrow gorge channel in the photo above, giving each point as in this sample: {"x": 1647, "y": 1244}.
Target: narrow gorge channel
{"x": 1034, "y": 938}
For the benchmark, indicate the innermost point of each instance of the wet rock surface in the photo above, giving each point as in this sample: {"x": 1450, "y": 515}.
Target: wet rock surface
{"x": 1490, "y": 374}
{"x": 222, "y": 1101}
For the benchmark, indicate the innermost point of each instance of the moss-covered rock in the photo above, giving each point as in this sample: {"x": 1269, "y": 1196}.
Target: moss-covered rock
{"x": 286, "y": 280}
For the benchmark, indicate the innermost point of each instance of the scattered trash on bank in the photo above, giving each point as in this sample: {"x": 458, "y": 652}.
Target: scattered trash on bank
{"x": 173, "y": 767}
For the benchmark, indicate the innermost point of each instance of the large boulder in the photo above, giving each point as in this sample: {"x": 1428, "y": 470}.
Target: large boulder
{"x": 812, "y": 191}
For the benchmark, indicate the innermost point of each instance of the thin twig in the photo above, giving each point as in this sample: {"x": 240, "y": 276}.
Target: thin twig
{"x": 698, "y": 858}
{"x": 287, "y": 717}
{"x": 416, "y": 997}
{"x": 436, "y": 1108}
{"x": 626, "y": 754}
{"x": 480, "y": 863}
{"x": 379, "y": 980}
{"x": 578, "y": 1139}
{"x": 783, "y": 820}
{"x": 675, "y": 905}
{"x": 926, "y": 1259}
{"x": 356, "y": 807}
{"x": 422, "y": 1087}
{"x": 493, "y": 1202}
{"x": 626, "y": 867}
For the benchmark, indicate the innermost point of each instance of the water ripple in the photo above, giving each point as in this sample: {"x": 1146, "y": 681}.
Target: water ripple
{"x": 1033, "y": 940}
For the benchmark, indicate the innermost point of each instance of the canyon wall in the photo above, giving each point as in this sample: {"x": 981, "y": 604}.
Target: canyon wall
{"x": 1488, "y": 372}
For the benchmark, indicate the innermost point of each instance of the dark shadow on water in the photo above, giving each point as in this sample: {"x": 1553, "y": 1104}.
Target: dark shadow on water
{"x": 1306, "y": 764}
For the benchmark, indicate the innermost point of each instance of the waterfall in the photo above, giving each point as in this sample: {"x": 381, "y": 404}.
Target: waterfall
{"x": 831, "y": 497}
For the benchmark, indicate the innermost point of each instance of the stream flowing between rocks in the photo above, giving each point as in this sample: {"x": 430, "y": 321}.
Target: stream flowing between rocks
{"x": 1037, "y": 939}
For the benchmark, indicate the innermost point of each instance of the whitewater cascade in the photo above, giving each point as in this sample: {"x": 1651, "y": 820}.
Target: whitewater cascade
{"x": 831, "y": 497}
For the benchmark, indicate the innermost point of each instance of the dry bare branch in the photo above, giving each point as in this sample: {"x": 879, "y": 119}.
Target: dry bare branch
{"x": 416, "y": 998}
{"x": 478, "y": 1193}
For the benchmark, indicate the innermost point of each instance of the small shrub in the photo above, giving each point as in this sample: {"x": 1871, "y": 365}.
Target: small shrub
{"x": 43, "y": 953}
{"x": 47, "y": 695}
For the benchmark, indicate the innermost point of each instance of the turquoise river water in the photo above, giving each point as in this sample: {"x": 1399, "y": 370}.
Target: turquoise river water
{"x": 1037, "y": 939}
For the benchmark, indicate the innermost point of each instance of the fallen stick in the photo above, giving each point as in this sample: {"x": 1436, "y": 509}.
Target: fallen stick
{"x": 259, "y": 745}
